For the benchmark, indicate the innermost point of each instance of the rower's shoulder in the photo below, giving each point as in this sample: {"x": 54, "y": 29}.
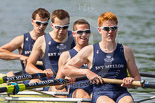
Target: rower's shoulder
{"x": 65, "y": 55}
{"x": 127, "y": 49}
{"x": 18, "y": 38}
{"x": 88, "y": 48}
{"x": 129, "y": 55}
{"x": 64, "y": 58}
{"x": 41, "y": 39}
{"x": 86, "y": 51}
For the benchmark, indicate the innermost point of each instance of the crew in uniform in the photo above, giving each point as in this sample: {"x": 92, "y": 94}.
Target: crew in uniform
{"x": 106, "y": 59}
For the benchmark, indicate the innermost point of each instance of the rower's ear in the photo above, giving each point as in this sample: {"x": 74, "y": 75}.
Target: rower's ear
{"x": 52, "y": 25}
{"x": 73, "y": 33}
{"x": 32, "y": 21}
{"x": 99, "y": 30}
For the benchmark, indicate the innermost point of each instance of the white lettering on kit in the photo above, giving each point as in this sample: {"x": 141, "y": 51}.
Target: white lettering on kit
{"x": 108, "y": 66}
{"x": 27, "y": 52}
{"x": 54, "y": 54}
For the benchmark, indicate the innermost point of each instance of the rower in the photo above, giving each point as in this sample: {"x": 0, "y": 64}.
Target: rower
{"x": 81, "y": 33}
{"x": 106, "y": 59}
{"x": 51, "y": 45}
{"x": 24, "y": 43}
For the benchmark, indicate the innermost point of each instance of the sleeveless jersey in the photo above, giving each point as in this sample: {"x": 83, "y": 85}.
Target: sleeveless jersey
{"x": 27, "y": 48}
{"x": 109, "y": 65}
{"x": 54, "y": 49}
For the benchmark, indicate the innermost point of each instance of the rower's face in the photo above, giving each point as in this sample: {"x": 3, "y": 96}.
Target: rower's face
{"x": 108, "y": 35}
{"x": 82, "y": 34}
{"x": 60, "y": 27}
{"x": 39, "y": 24}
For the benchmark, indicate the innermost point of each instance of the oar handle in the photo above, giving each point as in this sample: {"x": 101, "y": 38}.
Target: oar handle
{"x": 118, "y": 81}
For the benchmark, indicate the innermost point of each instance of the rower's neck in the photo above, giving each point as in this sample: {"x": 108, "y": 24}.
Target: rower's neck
{"x": 35, "y": 35}
{"x": 78, "y": 47}
{"x": 57, "y": 39}
{"x": 108, "y": 47}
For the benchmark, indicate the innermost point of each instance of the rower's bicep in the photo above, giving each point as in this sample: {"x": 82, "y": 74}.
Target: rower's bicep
{"x": 36, "y": 52}
{"x": 131, "y": 64}
{"x": 61, "y": 63}
{"x": 14, "y": 44}
{"x": 81, "y": 58}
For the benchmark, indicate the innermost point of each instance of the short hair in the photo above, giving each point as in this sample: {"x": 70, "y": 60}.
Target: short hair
{"x": 60, "y": 14}
{"x": 78, "y": 22}
{"x": 107, "y": 16}
{"x": 43, "y": 13}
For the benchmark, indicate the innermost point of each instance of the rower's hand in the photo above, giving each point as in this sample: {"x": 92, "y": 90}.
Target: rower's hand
{"x": 127, "y": 82}
{"x": 24, "y": 59}
{"x": 48, "y": 72}
{"x": 72, "y": 80}
{"x": 94, "y": 78}
{"x": 10, "y": 74}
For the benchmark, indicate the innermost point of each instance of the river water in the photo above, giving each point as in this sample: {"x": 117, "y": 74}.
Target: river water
{"x": 136, "y": 27}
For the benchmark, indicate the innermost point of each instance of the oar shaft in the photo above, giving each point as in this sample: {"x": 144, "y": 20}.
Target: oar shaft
{"x": 21, "y": 87}
{"x": 147, "y": 74}
{"x": 22, "y": 77}
{"x": 42, "y": 84}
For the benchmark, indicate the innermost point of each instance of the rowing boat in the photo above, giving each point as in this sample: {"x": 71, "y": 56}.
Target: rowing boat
{"x": 34, "y": 97}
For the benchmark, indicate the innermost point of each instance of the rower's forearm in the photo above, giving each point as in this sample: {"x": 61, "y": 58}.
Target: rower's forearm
{"x": 137, "y": 78}
{"x": 31, "y": 69}
{"x": 60, "y": 87}
{"x": 9, "y": 56}
{"x": 74, "y": 72}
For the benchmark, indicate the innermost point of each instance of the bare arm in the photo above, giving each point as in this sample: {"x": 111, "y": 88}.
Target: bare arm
{"x": 64, "y": 58}
{"x": 7, "y": 49}
{"x": 36, "y": 52}
{"x": 131, "y": 65}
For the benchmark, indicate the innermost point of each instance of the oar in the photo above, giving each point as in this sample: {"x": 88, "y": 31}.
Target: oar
{"x": 148, "y": 74}
{"x": 19, "y": 73}
{"x": 20, "y": 87}
{"x": 142, "y": 83}
{"x": 150, "y": 98}
{"x": 21, "y": 77}
{"x": 15, "y": 88}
